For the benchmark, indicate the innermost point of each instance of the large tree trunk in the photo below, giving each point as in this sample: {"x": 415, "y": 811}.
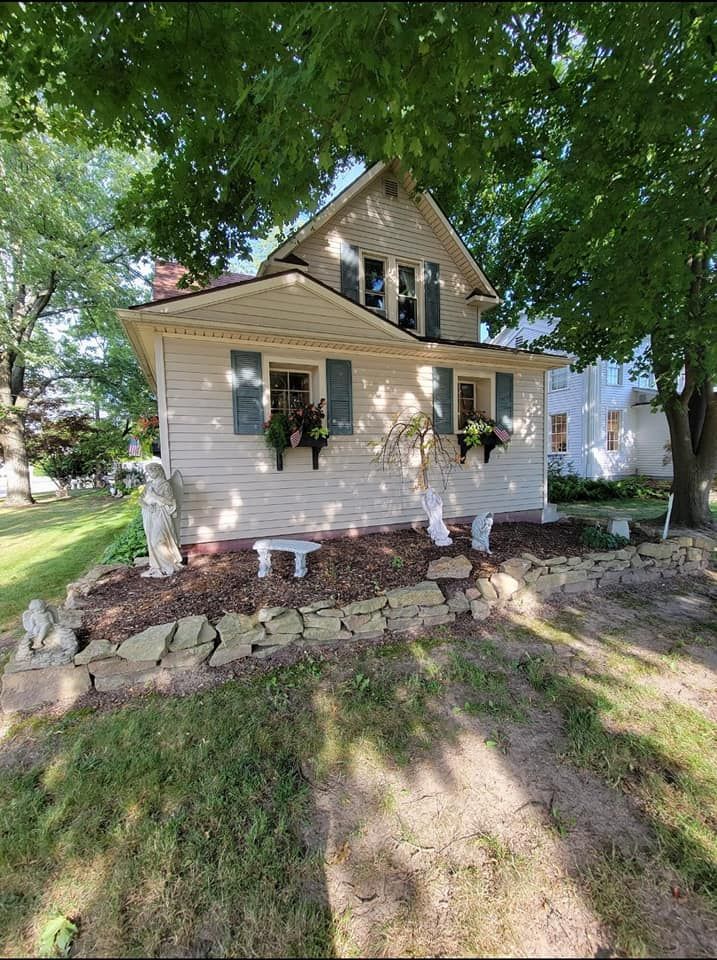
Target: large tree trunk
{"x": 17, "y": 469}
{"x": 694, "y": 456}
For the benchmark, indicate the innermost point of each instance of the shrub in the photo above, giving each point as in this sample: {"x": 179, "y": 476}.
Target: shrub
{"x": 565, "y": 486}
{"x": 129, "y": 544}
{"x": 600, "y": 539}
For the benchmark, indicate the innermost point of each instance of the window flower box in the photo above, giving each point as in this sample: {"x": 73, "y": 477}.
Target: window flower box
{"x": 300, "y": 428}
{"x": 481, "y": 431}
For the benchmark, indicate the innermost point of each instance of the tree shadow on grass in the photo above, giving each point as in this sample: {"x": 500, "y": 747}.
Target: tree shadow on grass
{"x": 414, "y": 798}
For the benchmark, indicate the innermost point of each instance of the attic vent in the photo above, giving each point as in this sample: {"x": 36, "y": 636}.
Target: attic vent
{"x": 520, "y": 342}
{"x": 390, "y": 188}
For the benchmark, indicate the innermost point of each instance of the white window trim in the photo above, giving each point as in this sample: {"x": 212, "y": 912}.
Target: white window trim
{"x": 620, "y": 429}
{"x": 313, "y": 365}
{"x": 392, "y": 264}
{"x": 611, "y": 365}
{"x": 559, "y": 453}
{"x": 460, "y": 375}
{"x": 551, "y": 388}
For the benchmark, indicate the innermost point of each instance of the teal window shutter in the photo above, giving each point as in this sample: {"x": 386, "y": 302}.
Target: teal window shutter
{"x": 432, "y": 298}
{"x": 504, "y": 400}
{"x": 339, "y": 397}
{"x": 443, "y": 399}
{"x": 247, "y": 392}
{"x": 350, "y": 271}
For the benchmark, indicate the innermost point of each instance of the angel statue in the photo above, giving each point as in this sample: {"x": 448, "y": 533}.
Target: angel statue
{"x": 480, "y": 532}
{"x": 437, "y": 530}
{"x": 161, "y": 502}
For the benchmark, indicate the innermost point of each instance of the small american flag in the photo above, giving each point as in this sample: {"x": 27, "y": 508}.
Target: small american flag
{"x": 295, "y": 438}
{"x": 134, "y": 448}
{"x": 502, "y": 434}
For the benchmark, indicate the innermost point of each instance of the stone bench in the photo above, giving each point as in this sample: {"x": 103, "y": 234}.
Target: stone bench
{"x": 300, "y": 549}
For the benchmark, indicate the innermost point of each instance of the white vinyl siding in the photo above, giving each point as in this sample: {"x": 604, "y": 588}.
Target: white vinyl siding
{"x": 392, "y": 228}
{"x": 233, "y": 491}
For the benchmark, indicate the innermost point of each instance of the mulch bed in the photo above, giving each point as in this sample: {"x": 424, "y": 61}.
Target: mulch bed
{"x": 350, "y": 568}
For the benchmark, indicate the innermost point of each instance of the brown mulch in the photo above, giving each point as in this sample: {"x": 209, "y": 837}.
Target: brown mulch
{"x": 350, "y": 568}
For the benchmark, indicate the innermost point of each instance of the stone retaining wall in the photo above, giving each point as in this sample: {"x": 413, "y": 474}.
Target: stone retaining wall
{"x": 185, "y": 644}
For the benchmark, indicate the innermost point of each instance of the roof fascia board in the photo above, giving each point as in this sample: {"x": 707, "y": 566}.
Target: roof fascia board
{"x": 325, "y": 214}
{"x": 274, "y": 281}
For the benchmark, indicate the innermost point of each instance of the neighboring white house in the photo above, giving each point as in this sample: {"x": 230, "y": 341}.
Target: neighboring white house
{"x": 601, "y": 420}
{"x": 375, "y": 305}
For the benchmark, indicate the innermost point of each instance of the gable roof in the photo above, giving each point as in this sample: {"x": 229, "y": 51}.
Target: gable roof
{"x": 181, "y": 315}
{"x": 427, "y": 206}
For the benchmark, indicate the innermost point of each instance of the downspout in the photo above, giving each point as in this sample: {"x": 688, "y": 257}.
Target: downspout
{"x": 592, "y": 409}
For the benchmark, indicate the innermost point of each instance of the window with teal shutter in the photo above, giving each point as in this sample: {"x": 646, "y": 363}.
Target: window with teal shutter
{"x": 350, "y": 271}
{"x": 504, "y": 400}
{"x": 339, "y": 397}
{"x": 443, "y": 399}
{"x": 432, "y": 299}
{"x": 247, "y": 392}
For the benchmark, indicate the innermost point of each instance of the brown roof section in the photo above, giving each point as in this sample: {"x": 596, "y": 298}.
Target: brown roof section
{"x": 167, "y": 275}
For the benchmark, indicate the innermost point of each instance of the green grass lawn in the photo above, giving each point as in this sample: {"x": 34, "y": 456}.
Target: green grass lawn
{"x": 382, "y": 804}
{"x": 634, "y": 509}
{"x": 43, "y": 548}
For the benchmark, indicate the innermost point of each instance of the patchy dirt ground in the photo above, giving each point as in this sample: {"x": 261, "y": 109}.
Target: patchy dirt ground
{"x": 490, "y": 842}
{"x": 347, "y": 568}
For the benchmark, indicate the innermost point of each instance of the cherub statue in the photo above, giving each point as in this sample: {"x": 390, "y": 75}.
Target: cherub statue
{"x": 46, "y": 643}
{"x": 159, "y": 517}
{"x": 39, "y": 620}
{"x": 437, "y": 530}
{"x": 480, "y": 532}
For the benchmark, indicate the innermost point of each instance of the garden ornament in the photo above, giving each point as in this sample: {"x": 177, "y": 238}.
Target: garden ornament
{"x": 480, "y": 532}
{"x": 437, "y": 530}
{"x": 45, "y": 643}
{"x": 160, "y": 518}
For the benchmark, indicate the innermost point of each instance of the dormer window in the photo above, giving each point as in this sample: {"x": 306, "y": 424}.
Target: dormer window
{"x": 407, "y": 298}
{"x": 374, "y": 272}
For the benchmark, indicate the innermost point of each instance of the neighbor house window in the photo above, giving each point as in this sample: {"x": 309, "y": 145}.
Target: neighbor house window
{"x": 559, "y": 433}
{"x": 374, "y": 273}
{"x": 614, "y": 374}
{"x": 407, "y": 298}
{"x": 646, "y": 381}
{"x": 613, "y": 430}
{"x": 559, "y": 379}
{"x": 289, "y": 389}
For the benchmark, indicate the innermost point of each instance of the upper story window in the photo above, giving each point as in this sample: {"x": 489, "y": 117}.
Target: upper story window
{"x": 407, "y": 298}
{"x": 614, "y": 374}
{"x": 646, "y": 381}
{"x": 559, "y": 379}
{"x": 374, "y": 272}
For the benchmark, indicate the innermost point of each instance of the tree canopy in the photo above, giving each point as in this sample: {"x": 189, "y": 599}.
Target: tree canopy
{"x": 65, "y": 266}
{"x": 574, "y": 143}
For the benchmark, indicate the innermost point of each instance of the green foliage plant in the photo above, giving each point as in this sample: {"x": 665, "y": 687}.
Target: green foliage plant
{"x": 599, "y": 539}
{"x": 276, "y": 431}
{"x": 131, "y": 543}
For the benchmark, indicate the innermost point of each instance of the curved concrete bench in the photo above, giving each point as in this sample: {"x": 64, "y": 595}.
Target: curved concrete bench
{"x": 300, "y": 549}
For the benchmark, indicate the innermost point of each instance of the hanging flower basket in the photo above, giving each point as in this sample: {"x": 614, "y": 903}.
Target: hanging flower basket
{"x": 481, "y": 431}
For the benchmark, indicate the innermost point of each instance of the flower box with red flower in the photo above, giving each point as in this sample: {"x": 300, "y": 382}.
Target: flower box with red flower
{"x": 300, "y": 428}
